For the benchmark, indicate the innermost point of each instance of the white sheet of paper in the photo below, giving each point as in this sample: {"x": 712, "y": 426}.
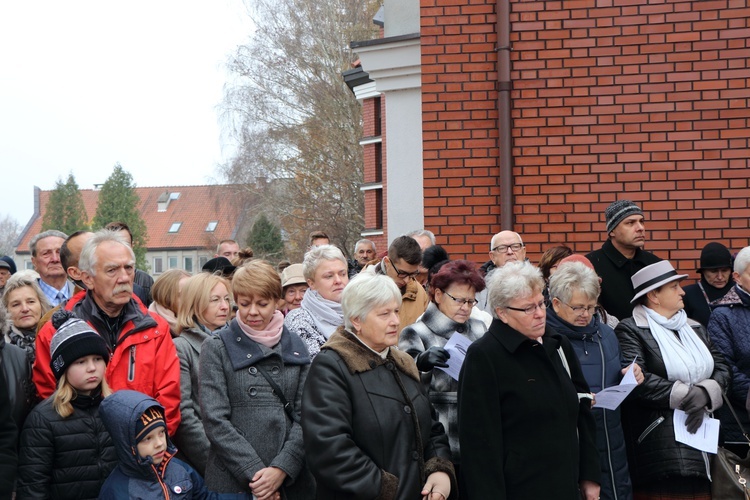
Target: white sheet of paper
{"x": 706, "y": 437}
{"x": 611, "y": 397}
{"x": 456, "y": 346}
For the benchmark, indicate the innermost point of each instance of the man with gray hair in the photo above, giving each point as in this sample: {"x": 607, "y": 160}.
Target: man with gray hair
{"x": 364, "y": 252}
{"x": 45, "y": 256}
{"x": 143, "y": 355}
{"x": 425, "y": 238}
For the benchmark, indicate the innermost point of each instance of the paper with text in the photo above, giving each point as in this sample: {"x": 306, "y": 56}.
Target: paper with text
{"x": 706, "y": 437}
{"x": 611, "y": 397}
{"x": 456, "y": 346}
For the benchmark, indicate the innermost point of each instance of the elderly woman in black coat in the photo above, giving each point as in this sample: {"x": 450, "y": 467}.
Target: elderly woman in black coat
{"x": 368, "y": 427}
{"x": 524, "y": 415}
{"x": 682, "y": 370}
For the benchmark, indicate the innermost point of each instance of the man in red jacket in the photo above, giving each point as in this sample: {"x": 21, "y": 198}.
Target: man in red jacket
{"x": 143, "y": 358}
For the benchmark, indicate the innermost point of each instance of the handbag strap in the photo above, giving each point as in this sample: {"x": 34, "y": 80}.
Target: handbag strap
{"x": 736, "y": 418}
{"x": 279, "y": 394}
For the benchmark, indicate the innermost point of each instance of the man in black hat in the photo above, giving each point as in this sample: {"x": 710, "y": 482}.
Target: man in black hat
{"x": 716, "y": 281}
{"x": 621, "y": 256}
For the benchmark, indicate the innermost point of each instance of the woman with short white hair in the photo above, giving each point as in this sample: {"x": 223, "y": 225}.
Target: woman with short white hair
{"x": 326, "y": 270}
{"x": 368, "y": 426}
{"x": 523, "y": 402}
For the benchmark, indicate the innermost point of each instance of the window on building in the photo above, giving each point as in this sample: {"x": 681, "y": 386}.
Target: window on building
{"x": 211, "y": 226}
{"x": 175, "y": 227}
{"x": 188, "y": 264}
{"x": 158, "y": 265}
{"x": 29, "y": 265}
{"x": 172, "y": 262}
{"x": 174, "y": 196}
{"x": 202, "y": 261}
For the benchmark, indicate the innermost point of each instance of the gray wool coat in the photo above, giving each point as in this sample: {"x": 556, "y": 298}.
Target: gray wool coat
{"x": 191, "y": 438}
{"x": 244, "y": 420}
{"x": 434, "y": 329}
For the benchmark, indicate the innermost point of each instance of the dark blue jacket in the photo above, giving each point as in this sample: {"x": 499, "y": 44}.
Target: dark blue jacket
{"x": 598, "y": 351}
{"x": 136, "y": 477}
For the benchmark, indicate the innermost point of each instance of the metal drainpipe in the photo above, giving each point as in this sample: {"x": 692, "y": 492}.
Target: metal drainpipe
{"x": 503, "y": 111}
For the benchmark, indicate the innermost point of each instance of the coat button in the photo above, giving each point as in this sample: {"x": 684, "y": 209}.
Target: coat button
{"x": 414, "y": 455}
{"x": 389, "y": 365}
{"x": 249, "y": 356}
{"x": 275, "y": 370}
{"x": 253, "y": 391}
{"x": 407, "y": 409}
{"x": 239, "y": 339}
{"x": 253, "y": 370}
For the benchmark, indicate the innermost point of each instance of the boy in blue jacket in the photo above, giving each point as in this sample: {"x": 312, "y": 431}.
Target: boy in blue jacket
{"x": 147, "y": 467}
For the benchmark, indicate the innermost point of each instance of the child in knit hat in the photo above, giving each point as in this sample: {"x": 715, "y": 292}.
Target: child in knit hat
{"x": 147, "y": 467}
{"x": 65, "y": 450}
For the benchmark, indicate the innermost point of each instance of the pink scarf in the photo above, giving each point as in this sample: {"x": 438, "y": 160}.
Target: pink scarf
{"x": 167, "y": 315}
{"x": 268, "y": 337}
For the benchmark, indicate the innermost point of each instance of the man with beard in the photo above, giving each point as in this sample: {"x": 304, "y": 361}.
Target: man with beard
{"x": 716, "y": 281}
{"x": 143, "y": 355}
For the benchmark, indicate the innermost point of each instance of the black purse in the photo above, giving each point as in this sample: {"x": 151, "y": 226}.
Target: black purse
{"x": 729, "y": 472}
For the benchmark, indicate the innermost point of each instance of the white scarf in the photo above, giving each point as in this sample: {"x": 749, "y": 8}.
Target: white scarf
{"x": 686, "y": 358}
{"x": 326, "y": 314}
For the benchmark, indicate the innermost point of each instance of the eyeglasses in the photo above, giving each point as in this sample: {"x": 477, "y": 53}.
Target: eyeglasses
{"x": 462, "y": 301}
{"x": 504, "y": 248}
{"x": 403, "y": 274}
{"x": 580, "y": 310}
{"x": 530, "y": 309}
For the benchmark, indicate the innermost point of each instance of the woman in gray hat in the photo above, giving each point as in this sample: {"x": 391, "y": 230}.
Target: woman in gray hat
{"x": 716, "y": 281}
{"x": 684, "y": 371}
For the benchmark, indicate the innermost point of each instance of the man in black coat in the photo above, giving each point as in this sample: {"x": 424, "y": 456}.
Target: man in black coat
{"x": 621, "y": 256}
{"x": 8, "y": 443}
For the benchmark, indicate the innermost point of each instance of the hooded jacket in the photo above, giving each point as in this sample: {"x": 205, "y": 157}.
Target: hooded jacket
{"x": 136, "y": 477}
{"x": 647, "y": 414}
{"x": 64, "y": 458}
{"x": 598, "y": 352}
{"x": 143, "y": 357}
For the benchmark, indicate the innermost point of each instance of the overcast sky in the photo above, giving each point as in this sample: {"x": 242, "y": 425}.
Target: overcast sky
{"x": 86, "y": 84}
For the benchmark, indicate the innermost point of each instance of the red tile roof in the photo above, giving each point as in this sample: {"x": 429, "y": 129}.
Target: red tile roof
{"x": 195, "y": 208}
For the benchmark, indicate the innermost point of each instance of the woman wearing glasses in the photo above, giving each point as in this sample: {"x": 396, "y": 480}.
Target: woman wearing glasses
{"x": 524, "y": 409}
{"x": 452, "y": 295}
{"x": 574, "y": 289}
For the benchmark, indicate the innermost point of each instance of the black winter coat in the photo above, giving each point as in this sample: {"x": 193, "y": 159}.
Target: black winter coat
{"x": 615, "y": 270}
{"x": 64, "y": 458}
{"x": 15, "y": 371}
{"x": 368, "y": 427}
{"x": 647, "y": 418}
{"x": 524, "y": 433}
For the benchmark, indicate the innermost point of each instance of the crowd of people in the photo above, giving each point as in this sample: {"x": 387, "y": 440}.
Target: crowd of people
{"x": 399, "y": 375}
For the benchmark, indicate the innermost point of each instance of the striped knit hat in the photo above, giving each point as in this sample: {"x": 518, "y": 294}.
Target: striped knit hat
{"x": 73, "y": 339}
{"x": 620, "y": 210}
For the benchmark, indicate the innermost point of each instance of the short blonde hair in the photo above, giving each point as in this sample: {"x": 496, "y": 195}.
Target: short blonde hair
{"x": 166, "y": 288}
{"x": 195, "y": 298}
{"x": 22, "y": 279}
{"x": 257, "y": 278}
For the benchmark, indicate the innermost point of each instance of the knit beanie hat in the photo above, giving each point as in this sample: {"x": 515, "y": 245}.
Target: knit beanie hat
{"x": 73, "y": 339}
{"x": 620, "y": 210}
{"x": 148, "y": 421}
{"x": 715, "y": 256}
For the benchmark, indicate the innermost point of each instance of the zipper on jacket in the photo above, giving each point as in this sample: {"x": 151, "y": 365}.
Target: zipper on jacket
{"x": 650, "y": 428}
{"x": 606, "y": 429}
{"x": 131, "y": 364}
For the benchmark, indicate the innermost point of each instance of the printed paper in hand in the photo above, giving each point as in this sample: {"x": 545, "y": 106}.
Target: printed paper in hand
{"x": 456, "y": 346}
{"x": 611, "y": 397}
{"x": 706, "y": 437}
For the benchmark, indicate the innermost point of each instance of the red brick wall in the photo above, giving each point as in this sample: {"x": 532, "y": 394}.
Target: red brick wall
{"x": 638, "y": 99}
{"x": 374, "y": 126}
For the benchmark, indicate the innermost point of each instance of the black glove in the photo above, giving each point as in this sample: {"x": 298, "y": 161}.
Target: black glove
{"x": 432, "y": 357}
{"x": 695, "y": 401}
{"x": 694, "y": 420}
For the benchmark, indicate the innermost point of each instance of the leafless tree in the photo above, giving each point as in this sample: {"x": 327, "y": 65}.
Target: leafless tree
{"x": 297, "y": 123}
{"x": 10, "y": 229}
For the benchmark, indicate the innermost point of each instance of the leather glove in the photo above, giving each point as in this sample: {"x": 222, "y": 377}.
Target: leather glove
{"x": 695, "y": 401}
{"x": 432, "y": 357}
{"x": 694, "y": 421}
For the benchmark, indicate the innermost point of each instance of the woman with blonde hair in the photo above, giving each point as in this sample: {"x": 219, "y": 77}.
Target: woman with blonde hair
{"x": 65, "y": 451}
{"x": 165, "y": 294}
{"x": 26, "y": 304}
{"x": 204, "y": 308}
{"x": 252, "y": 375}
